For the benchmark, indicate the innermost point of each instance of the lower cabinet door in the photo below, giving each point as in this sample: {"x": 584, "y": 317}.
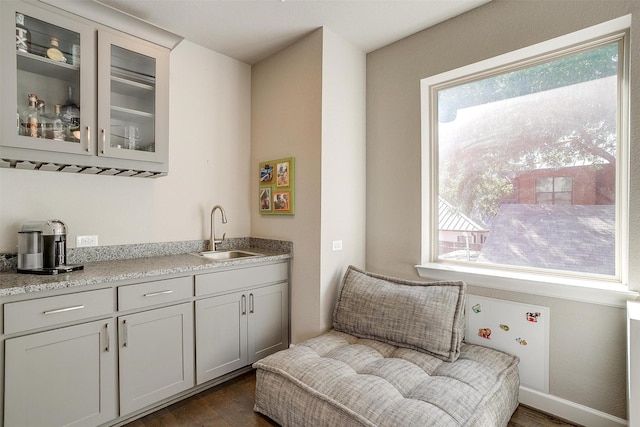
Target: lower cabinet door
{"x": 156, "y": 355}
{"x": 268, "y": 328}
{"x": 63, "y": 377}
{"x": 221, "y": 335}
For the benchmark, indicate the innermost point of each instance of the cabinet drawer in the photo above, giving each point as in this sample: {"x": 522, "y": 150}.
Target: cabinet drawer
{"x": 230, "y": 280}
{"x": 39, "y": 313}
{"x": 153, "y": 293}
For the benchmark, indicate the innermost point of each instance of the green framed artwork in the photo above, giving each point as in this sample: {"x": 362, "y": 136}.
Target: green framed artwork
{"x": 276, "y": 188}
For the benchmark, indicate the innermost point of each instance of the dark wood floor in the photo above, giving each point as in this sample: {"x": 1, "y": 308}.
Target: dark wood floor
{"x": 231, "y": 405}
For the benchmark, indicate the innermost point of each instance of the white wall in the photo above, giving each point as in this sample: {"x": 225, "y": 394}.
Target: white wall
{"x": 343, "y": 166}
{"x": 209, "y": 150}
{"x": 308, "y": 102}
{"x": 587, "y": 343}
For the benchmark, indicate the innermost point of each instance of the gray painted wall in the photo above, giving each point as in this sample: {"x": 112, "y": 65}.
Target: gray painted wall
{"x": 587, "y": 343}
{"x": 308, "y": 101}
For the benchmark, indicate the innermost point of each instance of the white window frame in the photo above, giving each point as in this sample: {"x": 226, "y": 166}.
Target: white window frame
{"x": 613, "y": 292}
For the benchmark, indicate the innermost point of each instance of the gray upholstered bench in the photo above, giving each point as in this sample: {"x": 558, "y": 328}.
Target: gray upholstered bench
{"x": 394, "y": 358}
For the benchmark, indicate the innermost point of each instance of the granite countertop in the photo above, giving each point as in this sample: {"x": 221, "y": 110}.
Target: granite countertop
{"x": 112, "y": 270}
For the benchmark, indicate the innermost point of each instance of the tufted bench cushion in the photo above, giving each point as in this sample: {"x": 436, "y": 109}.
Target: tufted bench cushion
{"x": 394, "y": 357}
{"x": 337, "y": 379}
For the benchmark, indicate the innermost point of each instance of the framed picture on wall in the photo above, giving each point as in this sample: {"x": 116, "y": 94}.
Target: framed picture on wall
{"x": 281, "y": 201}
{"x": 282, "y": 174}
{"x": 276, "y": 187}
{"x": 265, "y": 199}
{"x": 266, "y": 173}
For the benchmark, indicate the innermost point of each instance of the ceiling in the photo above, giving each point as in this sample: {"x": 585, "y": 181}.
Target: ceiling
{"x": 251, "y": 30}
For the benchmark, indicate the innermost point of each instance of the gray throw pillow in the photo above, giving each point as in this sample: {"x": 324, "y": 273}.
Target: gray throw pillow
{"x": 424, "y": 316}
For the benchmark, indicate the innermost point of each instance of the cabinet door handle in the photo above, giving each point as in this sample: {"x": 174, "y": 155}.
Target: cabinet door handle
{"x": 88, "y": 138}
{"x": 62, "y": 310}
{"x": 251, "y": 303}
{"x": 244, "y": 304}
{"x": 104, "y": 139}
{"x": 155, "y": 294}
{"x": 125, "y": 334}
{"x": 106, "y": 327}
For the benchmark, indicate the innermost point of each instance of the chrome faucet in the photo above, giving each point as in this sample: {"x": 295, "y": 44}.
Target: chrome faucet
{"x": 213, "y": 243}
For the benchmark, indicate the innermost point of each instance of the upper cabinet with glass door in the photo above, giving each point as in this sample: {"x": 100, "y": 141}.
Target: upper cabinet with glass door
{"x": 50, "y": 107}
{"x": 133, "y": 79}
{"x": 79, "y": 96}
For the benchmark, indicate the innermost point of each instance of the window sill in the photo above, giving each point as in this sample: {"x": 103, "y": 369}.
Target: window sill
{"x": 594, "y": 292}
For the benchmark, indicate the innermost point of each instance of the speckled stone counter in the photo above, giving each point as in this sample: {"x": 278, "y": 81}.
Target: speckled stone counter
{"x": 152, "y": 260}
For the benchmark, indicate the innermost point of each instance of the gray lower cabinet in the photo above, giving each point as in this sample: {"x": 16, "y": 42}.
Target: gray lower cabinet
{"x": 156, "y": 355}
{"x": 221, "y": 335}
{"x": 268, "y": 321}
{"x": 235, "y": 330}
{"x": 66, "y": 376}
{"x": 99, "y": 356}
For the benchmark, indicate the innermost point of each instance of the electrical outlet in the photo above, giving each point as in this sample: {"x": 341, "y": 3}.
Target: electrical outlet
{"x": 337, "y": 245}
{"x": 86, "y": 241}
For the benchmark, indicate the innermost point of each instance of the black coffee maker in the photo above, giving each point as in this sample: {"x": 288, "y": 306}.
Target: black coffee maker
{"x": 42, "y": 248}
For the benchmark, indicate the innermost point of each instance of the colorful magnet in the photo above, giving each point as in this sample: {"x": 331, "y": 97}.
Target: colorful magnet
{"x": 521, "y": 341}
{"x": 504, "y": 327}
{"x": 477, "y": 308}
{"x": 484, "y": 333}
{"x": 533, "y": 317}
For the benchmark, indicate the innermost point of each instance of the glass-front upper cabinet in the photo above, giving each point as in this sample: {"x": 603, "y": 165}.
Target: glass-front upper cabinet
{"x": 132, "y": 98}
{"x": 80, "y": 97}
{"x": 49, "y": 74}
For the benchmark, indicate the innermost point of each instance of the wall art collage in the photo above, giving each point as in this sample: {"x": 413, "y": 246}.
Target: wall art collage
{"x": 276, "y": 188}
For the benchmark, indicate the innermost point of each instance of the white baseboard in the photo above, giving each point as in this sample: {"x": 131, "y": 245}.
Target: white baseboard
{"x": 570, "y": 411}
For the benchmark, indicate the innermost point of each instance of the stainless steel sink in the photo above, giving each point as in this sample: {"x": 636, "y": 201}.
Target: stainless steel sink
{"x": 228, "y": 255}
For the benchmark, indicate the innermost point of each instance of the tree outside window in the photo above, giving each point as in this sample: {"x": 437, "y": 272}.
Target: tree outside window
{"x": 529, "y": 155}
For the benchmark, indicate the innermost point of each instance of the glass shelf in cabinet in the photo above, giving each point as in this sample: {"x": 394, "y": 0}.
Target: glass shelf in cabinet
{"x": 132, "y": 76}
{"x": 47, "y": 67}
{"x": 121, "y": 143}
{"x": 122, "y": 113}
{"x": 131, "y": 88}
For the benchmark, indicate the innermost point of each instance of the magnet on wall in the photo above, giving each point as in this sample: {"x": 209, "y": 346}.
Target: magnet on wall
{"x": 504, "y": 327}
{"x": 533, "y": 316}
{"x": 484, "y": 333}
{"x": 477, "y": 308}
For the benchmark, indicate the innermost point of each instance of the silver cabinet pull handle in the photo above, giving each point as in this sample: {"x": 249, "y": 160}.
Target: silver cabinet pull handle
{"x": 62, "y": 310}
{"x": 250, "y": 303}
{"x": 106, "y": 327}
{"x": 244, "y": 305}
{"x": 125, "y": 334}
{"x": 155, "y": 294}
{"x": 104, "y": 139}
{"x": 88, "y": 138}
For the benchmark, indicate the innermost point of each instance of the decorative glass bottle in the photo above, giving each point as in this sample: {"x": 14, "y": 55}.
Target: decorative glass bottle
{"x": 58, "y": 125}
{"x": 71, "y": 117}
{"x": 42, "y": 119}
{"x": 23, "y": 35}
{"x": 54, "y": 52}
{"x": 30, "y": 117}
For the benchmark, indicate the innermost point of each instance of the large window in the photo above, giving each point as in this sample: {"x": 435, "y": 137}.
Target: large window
{"x": 525, "y": 160}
